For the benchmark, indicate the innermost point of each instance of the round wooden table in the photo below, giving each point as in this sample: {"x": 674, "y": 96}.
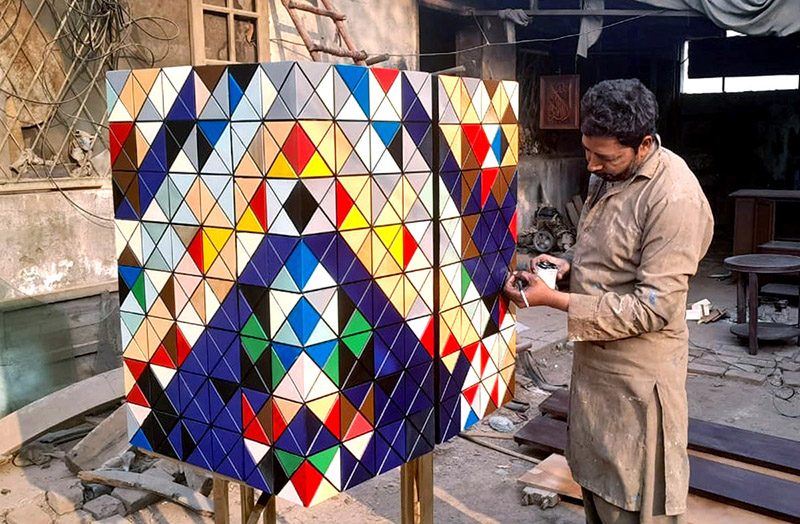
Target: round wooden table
{"x": 748, "y": 267}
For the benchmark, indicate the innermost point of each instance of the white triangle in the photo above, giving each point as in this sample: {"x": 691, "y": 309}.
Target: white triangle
{"x": 257, "y": 450}
{"x": 139, "y": 413}
{"x": 322, "y": 386}
{"x": 246, "y": 245}
{"x": 163, "y": 374}
{"x": 149, "y": 130}
{"x": 289, "y": 493}
{"x": 189, "y": 316}
{"x": 156, "y": 95}
{"x": 191, "y": 332}
{"x": 334, "y": 472}
{"x": 351, "y": 111}
{"x": 386, "y": 164}
{"x": 131, "y": 305}
{"x": 325, "y": 90}
{"x": 319, "y": 223}
{"x": 465, "y": 410}
{"x": 119, "y": 113}
{"x": 320, "y": 279}
{"x": 268, "y": 93}
{"x": 358, "y": 445}
{"x": 376, "y": 148}
{"x": 283, "y": 225}
{"x": 385, "y": 111}
{"x": 321, "y": 333}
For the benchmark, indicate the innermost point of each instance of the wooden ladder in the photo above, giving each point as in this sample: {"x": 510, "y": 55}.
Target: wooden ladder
{"x": 359, "y": 56}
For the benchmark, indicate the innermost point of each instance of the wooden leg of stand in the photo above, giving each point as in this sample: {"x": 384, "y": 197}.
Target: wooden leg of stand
{"x": 221, "y": 512}
{"x": 270, "y": 516}
{"x": 416, "y": 491}
{"x": 248, "y": 500}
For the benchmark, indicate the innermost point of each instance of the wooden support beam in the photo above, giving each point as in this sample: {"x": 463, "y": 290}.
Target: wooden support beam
{"x": 335, "y": 15}
{"x": 346, "y": 36}
{"x": 358, "y": 56}
{"x": 247, "y": 501}
{"x": 221, "y": 511}
{"x": 416, "y": 491}
{"x": 301, "y": 30}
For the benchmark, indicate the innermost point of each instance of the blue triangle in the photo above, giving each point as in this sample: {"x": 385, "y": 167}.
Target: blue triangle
{"x": 235, "y": 92}
{"x": 325, "y": 439}
{"x": 125, "y": 211}
{"x": 303, "y": 319}
{"x": 156, "y": 158}
{"x": 140, "y": 441}
{"x": 386, "y": 130}
{"x": 287, "y": 354}
{"x": 301, "y": 264}
{"x": 257, "y": 399}
{"x": 472, "y": 419}
{"x": 176, "y": 441}
{"x": 184, "y": 106}
{"x": 256, "y": 480}
{"x": 355, "y": 78}
{"x": 227, "y": 316}
{"x": 320, "y": 353}
{"x": 212, "y": 129}
{"x": 129, "y": 274}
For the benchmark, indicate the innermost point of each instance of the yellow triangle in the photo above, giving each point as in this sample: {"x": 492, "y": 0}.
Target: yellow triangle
{"x": 354, "y": 220}
{"x": 388, "y": 233}
{"x": 396, "y": 249}
{"x": 249, "y": 222}
{"x": 218, "y": 236}
{"x": 281, "y": 168}
{"x": 354, "y": 185}
{"x": 316, "y": 167}
{"x": 325, "y": 491}
{"x": 210, "y": 253}
{"x": 450, "y": 361}
{"x": 322, "y": 406}
{"x": 315, "y": 129}
{"x": 449, "y": 83}
{"x": 327, "y": 148}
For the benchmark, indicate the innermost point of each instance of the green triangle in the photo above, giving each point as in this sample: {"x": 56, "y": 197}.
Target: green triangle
{"x": 357, "y": 343}
{"x": 254, "y": 347}
{"x": 138, "y": 291}
{"x": 289, "y": 461}
{"x": 253, "y": 328}
{"x": 332, "y": 366}
{"x": 356, "y": 324}
{"x": 277, "y": 371}
{"x": 465, "y": 281}
{"x": 323, "y": 459}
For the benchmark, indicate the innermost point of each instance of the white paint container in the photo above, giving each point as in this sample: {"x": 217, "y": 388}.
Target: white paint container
{"x": 547, "y": 272}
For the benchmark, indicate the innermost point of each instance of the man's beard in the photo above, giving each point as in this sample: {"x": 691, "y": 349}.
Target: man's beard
{"x": 625, "y": 175}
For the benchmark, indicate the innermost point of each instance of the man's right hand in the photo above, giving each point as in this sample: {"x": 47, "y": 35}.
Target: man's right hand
{"x": 563, "y": 265}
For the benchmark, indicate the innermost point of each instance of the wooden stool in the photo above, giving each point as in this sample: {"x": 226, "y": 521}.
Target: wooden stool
{"x": 748, "y": 267}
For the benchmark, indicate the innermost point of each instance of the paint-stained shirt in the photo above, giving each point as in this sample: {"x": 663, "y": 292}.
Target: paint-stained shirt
{"x": 639, "y": 241}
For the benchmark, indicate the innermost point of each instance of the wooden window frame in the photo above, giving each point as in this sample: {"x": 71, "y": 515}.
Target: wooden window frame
{"x": 197, "y": 8}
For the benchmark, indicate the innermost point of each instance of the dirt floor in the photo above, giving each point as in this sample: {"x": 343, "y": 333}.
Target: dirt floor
{"x": 478, "y": 485}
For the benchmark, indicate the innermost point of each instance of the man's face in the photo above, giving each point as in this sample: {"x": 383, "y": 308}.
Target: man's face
{"x": 612, "y": 161}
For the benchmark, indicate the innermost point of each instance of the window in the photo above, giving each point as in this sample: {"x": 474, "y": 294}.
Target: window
{"x": 228, "y": 31}
{"x": 732, "y": 84}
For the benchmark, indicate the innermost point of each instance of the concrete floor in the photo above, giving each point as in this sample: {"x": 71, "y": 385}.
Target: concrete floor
{"x": 477, "y": 485}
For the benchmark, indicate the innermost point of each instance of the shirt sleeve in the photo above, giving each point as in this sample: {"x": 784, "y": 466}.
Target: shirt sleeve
{"x": 675, "y": 237}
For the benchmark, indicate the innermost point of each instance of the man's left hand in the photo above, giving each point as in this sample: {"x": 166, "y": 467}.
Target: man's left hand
{"x": 536, "y": 291}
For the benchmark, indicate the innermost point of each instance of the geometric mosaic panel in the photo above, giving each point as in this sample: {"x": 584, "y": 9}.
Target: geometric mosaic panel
{"x": 291, "y": 315}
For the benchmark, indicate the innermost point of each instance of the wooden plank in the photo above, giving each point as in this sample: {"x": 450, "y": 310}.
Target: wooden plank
{"x": 763, "y": 494}
{"x": 554, "y": 474}
{"x": 35, "y": 419}
{"x": 176, "y": 493}
{"x": 221, "y": 513}
{"x": 572, "y": 213}
{"x": 543, "y": 433}
{"x": 197, "y": 33}
{"x": 108, "y": 440}
{"x": 578, "y": 201}
{"x": 773, "y": 194}
{"x": 743, "y": 224}
{"x": 416, "y": 491}
{"x": 726, "y": 441}
{"x": 247, "y": 501}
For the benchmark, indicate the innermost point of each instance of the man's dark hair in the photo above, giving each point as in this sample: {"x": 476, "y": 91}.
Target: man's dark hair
{"x": 624, "y": 109}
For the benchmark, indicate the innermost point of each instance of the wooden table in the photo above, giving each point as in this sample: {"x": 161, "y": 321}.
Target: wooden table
{"x": 754, "y": 225}
{"x": 748, "y": 267}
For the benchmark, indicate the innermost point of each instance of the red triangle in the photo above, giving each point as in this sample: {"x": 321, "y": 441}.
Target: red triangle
{"x": 333, "y": 420}
{"x": 255, "y": 432}
{"x": 278, "y": 424}
{"x": 298, "y": 148}
{"x": 359, "y": 426}
{"x": 306, "y": 482}
{"x": 476, "y": 136}
{"x": 502, "y": 308}
{"x": 496, "y": 390}
{"x": 117, "y": 134}
{"x": 161, "y": 358}
{"x": 385, "y": 77}
{"x": 343, "y": 204}
{"x": 135, "y": 367}
{"x": 451, "y": 346}
{"x": 470, "y": 350}
{"x": 195, "y": 248}
{"x": 513, "y": 226}
{"x": 409, "y": 246}
{"x": 484, "y": 357}
{"x": 470, "y": 392}
{"x": 259, "y": 205}
{"x": 488, "y": 178}
{"x": 184, "y": 348}
{"x": 247, "y": 411}
{"x": 137, "y": 397}
{"x": 428, "y": 338}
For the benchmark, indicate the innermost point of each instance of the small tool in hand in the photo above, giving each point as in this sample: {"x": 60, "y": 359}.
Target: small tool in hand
{"x": 521, "y": 284}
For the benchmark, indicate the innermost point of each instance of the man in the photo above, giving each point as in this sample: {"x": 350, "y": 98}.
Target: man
{"x": 645, "y": 226}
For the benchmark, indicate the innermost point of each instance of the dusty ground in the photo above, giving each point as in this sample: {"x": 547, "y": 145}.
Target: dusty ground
{"x": 478, "y": 485}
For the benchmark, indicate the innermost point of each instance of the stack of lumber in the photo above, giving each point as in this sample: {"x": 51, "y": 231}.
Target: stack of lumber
{"x": 737, "y": 476}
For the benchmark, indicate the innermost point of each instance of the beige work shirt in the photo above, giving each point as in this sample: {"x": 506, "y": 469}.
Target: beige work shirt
{"x": 638, "y": 243}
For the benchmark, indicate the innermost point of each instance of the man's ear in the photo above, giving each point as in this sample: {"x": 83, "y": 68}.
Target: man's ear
{"x": 646, "y": 145}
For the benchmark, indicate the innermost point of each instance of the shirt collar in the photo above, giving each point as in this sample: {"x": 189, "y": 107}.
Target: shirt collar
{"x": 648, "y": 167}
